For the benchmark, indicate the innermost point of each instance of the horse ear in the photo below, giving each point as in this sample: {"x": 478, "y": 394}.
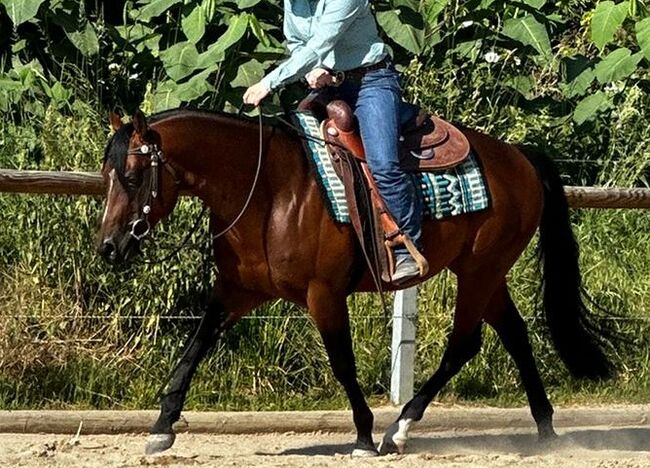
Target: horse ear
{"x": 115, "y": 120}
{"x": 140, "y": 122}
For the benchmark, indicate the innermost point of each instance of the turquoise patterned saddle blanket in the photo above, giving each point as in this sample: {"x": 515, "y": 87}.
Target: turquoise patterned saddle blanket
{"x": 449, "y": 192}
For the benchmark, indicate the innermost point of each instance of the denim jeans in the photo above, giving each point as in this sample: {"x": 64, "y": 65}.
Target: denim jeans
{"x": 378, "y": 106}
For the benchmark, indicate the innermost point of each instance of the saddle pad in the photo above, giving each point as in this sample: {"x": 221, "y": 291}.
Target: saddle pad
{"x": 449, "y": 192}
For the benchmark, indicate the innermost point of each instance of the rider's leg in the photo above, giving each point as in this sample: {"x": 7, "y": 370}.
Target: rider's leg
{"x": 378, "y": 110}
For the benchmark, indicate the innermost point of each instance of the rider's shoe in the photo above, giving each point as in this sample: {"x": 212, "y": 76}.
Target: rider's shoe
{"x": 405, "y": 269}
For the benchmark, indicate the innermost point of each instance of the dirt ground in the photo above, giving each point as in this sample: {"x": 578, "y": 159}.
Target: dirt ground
{"x": 600, "y": 447}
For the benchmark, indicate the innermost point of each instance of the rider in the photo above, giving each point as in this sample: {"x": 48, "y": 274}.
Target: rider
{"x": 327, "y": 36}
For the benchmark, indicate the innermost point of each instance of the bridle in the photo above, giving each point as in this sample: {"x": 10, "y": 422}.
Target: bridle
{"x": 141, "y": 227}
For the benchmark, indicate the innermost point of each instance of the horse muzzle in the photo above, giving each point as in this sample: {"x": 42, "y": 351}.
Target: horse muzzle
{"x": 117, "y": 253}
{"x": 108, "y": 250}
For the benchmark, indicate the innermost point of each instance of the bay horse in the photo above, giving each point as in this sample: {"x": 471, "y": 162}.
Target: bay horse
{"x": 280, "y": 242}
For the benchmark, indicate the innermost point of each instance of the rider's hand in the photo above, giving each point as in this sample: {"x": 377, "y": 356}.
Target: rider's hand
{"x": 319, "y": 78}
{"x": 256, "y": 93}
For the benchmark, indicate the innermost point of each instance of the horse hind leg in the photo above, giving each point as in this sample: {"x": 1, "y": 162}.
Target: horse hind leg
{"x": 463, "y": 344}
{"x": 503, "y": 316}
{"x": 331, "y": 317}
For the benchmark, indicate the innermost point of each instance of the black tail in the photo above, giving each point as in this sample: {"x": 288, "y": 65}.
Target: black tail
{"x": 577, "y": 337}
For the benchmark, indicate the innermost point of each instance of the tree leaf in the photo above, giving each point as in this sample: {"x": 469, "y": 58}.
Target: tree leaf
{"x": 590, "y": 106}
{"x": 537, "y": 4}
{"x": 258, "y": 31}
{"x": 196, "y": 86}
{"x": 164, "y": 96}
{"x": 434, "y": 8}
{"x": 194, "y": 25}
{"x": 618, "y": 65}
{"x": 180, "y": 60}
{"x": 156, "y": 8}
{"x": 247, "y": 3}
{"x": 607, "y": 18}
{"x": 405, "y": 33}
{"x": 85, "y": 39}
{"x": 216, "y": 52}
{"x": 579, "y": 73}
{"x": 248, "y": 74}
{"x": 523, "y": 84}
{"x": 209, "y": 9}
{"x": 643, "y": 36}
{"x": 529, "y": 31}
{"x": 580, "y": 84}
{"x": 21, "y": 10}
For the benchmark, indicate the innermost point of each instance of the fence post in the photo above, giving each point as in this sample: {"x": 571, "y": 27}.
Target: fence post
{"x": 403, "y": 345}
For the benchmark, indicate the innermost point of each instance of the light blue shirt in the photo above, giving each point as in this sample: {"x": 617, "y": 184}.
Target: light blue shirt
{"x": 333, "y": 34}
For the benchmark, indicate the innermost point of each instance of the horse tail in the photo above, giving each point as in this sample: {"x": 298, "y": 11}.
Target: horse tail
{"x": 575, "y": 333}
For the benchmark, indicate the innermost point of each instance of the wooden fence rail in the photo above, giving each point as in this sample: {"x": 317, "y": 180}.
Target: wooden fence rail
{"x": 91, "y": 183}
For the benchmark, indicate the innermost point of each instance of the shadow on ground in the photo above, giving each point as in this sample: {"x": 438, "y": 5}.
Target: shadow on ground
{"x": 626, "y": 439}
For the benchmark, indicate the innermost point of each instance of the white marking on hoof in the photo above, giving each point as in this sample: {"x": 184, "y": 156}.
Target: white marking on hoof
{"x": 364, "y": 453}
{"x": 157, "y": 443}
{"x": 402, "y": 435}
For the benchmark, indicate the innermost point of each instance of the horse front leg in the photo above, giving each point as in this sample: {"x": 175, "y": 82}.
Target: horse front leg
{"x": 219, "y": 316}
{"x": 196, "y": 347}
{"x": 330, "y": 313}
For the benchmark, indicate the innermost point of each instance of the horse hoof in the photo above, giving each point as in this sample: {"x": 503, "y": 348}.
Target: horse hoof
{"x": 157, "y": 443}
{"x": 394, "y": 440}
{"x": 548, "y": 437}
{"x": 388, "y": 447}
{"x": 364, "y": 453}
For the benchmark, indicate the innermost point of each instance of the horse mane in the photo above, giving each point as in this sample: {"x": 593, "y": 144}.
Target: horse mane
{"x": 118, "y": 144}
{"x": 216, "y": 114}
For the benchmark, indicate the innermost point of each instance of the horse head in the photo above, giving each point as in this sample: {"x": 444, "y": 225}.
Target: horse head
{"x": 141, "y": 188}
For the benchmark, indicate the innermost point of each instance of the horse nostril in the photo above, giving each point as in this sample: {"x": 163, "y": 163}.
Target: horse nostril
{"x": 107, "y": 249}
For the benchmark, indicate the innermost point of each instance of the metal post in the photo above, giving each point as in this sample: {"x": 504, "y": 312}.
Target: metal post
{"x": 403, "y": 345}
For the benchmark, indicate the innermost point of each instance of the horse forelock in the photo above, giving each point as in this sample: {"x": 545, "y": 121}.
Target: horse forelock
{"x": 117, "y": 149}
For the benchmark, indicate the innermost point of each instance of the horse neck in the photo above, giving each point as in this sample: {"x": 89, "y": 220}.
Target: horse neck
{"x": 217, "y": 157}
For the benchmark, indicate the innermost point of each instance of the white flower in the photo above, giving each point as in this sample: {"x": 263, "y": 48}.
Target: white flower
{"x": 134, "y": 76}
{"x": 113, "y": 66}
{"x": 466, "y": 24}
{"x": 492, "y": 57}
{"x": 613, "y": 87}
{"x": 517, "y": 60}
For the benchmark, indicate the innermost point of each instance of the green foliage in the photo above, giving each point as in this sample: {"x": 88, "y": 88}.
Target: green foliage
{"x": 169, "y": 46}
{"x": 590, "y": 106}
{"x": 606, "y": 20}
{"x": 403, "y": 25}
{"x": 529, "y": 31}
{"x": 21, "y": 11}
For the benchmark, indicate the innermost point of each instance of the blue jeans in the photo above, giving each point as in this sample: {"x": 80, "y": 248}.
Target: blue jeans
{"x": 378, "y": 106}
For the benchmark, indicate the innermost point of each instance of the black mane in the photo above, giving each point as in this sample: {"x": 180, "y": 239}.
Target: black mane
{"x": 117, "y": 147}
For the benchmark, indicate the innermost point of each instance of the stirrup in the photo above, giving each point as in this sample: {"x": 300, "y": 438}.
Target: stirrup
{"x": 401, "y": 238}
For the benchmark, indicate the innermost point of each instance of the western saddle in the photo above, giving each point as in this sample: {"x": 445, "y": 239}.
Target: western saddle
{"x": 428, "y": 144}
